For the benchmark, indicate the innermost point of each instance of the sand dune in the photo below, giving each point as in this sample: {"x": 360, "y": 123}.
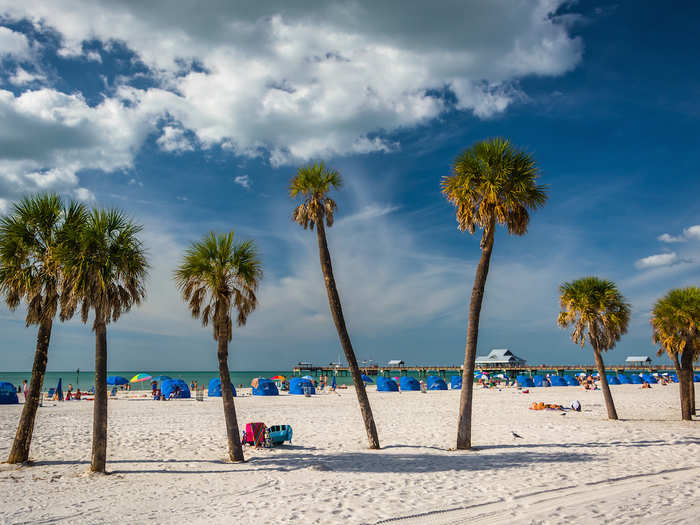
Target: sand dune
{"x": 167, "y": 462}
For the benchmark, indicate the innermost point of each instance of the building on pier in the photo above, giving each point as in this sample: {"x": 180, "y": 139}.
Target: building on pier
{"x": 499, "y": 357}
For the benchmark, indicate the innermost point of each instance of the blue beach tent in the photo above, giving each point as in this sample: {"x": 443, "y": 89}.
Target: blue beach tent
{"x": 525, "y": 381}
{"x": 649, "y": 378}
{"x": 540, "y": 381}
{"x": 265, "y": 388}
{"x": 636, "y": 380}
{"x": 436, "y": 383}
{"x": 696, "y": 378}
{"x": 8, "y": 394}
{"x": 117, "y": 380}
{"x": 613, "y": 380}
{"x": 298, "y": 384}
{"x": 384, "y": 384}
{"x": 571, "y": 381}
{"x": 558, "y": 381}
{"x": 409, "y": 384}
{"x": 175, "y": 386}
{"x": 214, "y": 389}
{"x": 366, "y": 379}
{"x": 624, "y": 380}
{"x": 456, "y": 382}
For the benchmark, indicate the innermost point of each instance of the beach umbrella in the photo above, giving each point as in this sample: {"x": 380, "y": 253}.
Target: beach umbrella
{"x": 582, "y": 374}
{"x": 117, "y": 380}
{"x": 139, "y": 377}
{"x": 161, "y": 378}
{"x": 279, "y": 378}
{"x": 367, "y": 379}
{"x": 59, "y": 391}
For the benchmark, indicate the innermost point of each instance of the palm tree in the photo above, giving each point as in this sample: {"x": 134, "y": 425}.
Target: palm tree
{"x": 491, "y": 183}
{"x": 104, "y": 275}
{"x": 216, "y": 276}
{"x": 312, "y": 183}
{"x": 675, "y": 322}
{"x": 30, "y": 269}
{"x": 598, "y": 312}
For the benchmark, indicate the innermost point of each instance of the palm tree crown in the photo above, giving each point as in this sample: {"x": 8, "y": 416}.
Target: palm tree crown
{"x": 494, "y": 182}
{"x": 597, "y": 311}
{"x": 676, "y": 320}
{"x": 312, "y": 183}
{"x": 30, "y": 241}
{"x": 216, "y": 275}
{"x": 107, "y": 273}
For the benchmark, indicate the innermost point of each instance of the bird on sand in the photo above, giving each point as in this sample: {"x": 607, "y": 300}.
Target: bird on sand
{"x": 516, "y": 436}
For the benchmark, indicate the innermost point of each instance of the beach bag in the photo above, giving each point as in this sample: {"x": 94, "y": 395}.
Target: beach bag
{"x": 254, "y": 434}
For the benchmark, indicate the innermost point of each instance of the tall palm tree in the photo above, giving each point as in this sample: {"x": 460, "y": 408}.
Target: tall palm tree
{"x": 598, "y": 312}
{"x": 312, "y": 183}
{"x": 216, "y": 276}
{"x": 675, "y": 322}
{"x": 30, "y": 269}
{"x": 106, "y": 276}
{"x": 491, "y": 183}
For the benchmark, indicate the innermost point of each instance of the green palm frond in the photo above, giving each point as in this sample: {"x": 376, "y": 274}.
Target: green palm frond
{"x": 494, "y": 182}
{"x": 218, "y": 275}
{"x": 312, "y": 183}
{"x": 32, "y": 237}
{"x": 106, "y": 270}
{"x": 596, "y": 310}
{"x": 675, "y": 321}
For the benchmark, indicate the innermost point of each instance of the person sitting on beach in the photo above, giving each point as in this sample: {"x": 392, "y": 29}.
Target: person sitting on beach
{"x": 68, "y": 395}
{"x": 646, "y": 385}
{"x": 77, "y": 395}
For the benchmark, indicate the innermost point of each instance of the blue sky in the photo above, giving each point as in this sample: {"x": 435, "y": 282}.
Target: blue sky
{"x": 194, "y": 118}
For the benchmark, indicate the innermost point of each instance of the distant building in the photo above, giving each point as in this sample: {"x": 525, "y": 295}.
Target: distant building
{"x": 638, "y": 360}
{"x": 396, "y": 362}
{"x": 499, "y": 357}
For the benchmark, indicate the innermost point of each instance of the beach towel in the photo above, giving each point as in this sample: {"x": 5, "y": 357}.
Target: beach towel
{"x": 254, "y": 434}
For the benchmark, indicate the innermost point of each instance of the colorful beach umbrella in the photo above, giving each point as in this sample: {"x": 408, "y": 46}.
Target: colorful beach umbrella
{"x": 278, "y": 378}
{"x": 139, "y": 377}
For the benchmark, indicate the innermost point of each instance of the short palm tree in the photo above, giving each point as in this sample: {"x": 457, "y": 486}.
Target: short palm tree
{"x": 217, "y": 276}
{"x": 675, "y": 322}
{"x": 312, "y": 183}
{"x": 31, "y": 270}
{"x": 598, "y": 312}
{"x": 491, "y": 183}
{"x": 106, "y": 276}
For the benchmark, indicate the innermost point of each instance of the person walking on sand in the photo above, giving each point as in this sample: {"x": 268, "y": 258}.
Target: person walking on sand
{"x": 25, "y": 389}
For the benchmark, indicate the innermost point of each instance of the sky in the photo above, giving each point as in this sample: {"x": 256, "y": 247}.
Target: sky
{"x": 193, "y": 117}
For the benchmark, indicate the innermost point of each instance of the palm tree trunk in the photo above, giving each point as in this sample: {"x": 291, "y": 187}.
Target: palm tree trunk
{"x": 339, "y": 320}
{"x": 609, "y": 404}
{"x": 235, "y": 449}
{"x": 99, "y": 421}
{"x": 23, "y": 438}
{"x": 686, "y": 384}
{"x": 681, "y": 381}
{"x": 464, "y": 423}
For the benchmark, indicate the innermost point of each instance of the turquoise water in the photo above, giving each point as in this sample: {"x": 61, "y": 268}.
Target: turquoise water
{"x": 86, "y": 379}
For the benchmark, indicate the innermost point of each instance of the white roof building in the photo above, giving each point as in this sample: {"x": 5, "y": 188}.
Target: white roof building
{"x": 638, "y": 359}
{"x": 499, "y": 356}
{"x": 396, "y": 362}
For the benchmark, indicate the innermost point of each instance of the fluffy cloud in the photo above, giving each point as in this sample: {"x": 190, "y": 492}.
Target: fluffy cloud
{"x": 658, "y": 260}
{"x": 689, "y": 233}
{"x": 13, "y": 44}
{"x": 174, "y": 139}
{"x": 300, "y": 80}
{"x": 22, "y": 77}
{"x": 242, "y": 180}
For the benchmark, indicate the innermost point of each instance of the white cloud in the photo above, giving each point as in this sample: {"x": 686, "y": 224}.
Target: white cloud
{"x": 22, "y": 77}
{"x": 4, "y": 205}
{"x": 174, "y": 140}
{"x": 300, "y": 81}
{"x": 243, "y": 180}
{"x": 85, "y": 195}
{"x": 658, "y": 260}
{"x": 692, "y": 232}
{"x": 13, "y": 44}
{"x": 670, "y": 238}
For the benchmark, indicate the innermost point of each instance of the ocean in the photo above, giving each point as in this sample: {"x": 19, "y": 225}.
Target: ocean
{"x": 86, "y": 379}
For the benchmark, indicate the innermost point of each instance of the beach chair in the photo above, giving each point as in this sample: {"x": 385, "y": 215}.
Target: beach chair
{"x": 254, "y": 434}
{"x": 278, "y": 434}
{"x": 199, "y": 393}
{"x": 51, "y": 393}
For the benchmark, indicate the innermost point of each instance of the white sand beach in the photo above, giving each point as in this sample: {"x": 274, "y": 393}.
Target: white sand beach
{"x": 166, "y": 462}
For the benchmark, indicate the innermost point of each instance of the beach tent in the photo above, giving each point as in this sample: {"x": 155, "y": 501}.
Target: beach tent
{"x": 214, "y": 389}
{"x": 8, "y": 394}
{"x": 170, "y": 386}
{"x": 456, "y": 382}
{"x": 117, "y": 380}
{"x": 613, "y": 380}
{"x": 265, "y": 387}
{"x": 624, "y": 380}
{"x": 540, "y": 380}
{"x": 696, "y": 378}
{"x": 525, "y": 381}
{"x": 409, "y": 384}
{"x": 649, "y": 378}
{"x": 436, "y": 383}
{"x": 298, "y": 384}
{"x": 636, "y": 379}
{"x": 385, "y": 384}
{"x": 366, "y": 379}
{"x": 571, "y": 381}
{"x": 558, "y": 381}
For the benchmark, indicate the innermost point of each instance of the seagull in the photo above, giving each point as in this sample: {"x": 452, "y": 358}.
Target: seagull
{"x": 563, "y": 413}
{"x": 516, "y": 436}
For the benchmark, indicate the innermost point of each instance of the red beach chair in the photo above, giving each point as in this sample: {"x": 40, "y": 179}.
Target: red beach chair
{"x": 254, "y": 434}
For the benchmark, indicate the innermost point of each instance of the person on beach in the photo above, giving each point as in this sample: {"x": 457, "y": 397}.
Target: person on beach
{"x": 25, "y": 389}
{"x": 192, "y": 385}
{"x": 77, "y": 395}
